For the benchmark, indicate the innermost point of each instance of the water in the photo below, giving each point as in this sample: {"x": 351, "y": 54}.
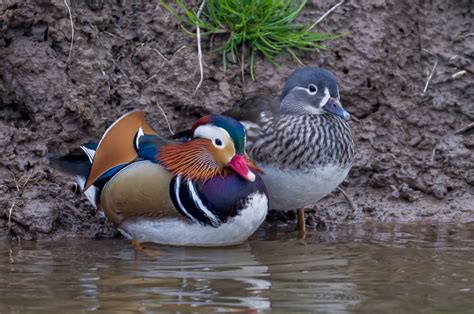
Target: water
{"x": 370, "y": 268}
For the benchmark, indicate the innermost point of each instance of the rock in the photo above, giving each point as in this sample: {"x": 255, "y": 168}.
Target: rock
{"x": 407, "y": 193}
{"x": 95, "y": 5}
{"x": 37, "y": 215}
{"x": 225, "y": 89}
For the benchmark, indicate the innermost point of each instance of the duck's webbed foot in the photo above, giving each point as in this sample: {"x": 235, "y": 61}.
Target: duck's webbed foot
{"x": 136, "y": 245}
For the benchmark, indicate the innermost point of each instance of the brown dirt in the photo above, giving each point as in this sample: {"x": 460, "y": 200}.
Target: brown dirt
{"x": 411, "y": 163}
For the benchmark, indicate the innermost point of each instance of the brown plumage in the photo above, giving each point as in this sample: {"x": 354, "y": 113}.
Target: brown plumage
{"x": 196, "y": 160}
{"x": 192, "y": 160}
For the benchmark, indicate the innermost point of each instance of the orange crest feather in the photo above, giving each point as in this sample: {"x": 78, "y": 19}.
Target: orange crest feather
{"x": 192, "y": 160}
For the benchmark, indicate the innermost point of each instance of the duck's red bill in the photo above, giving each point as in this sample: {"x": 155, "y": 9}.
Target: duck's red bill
{"x": 239, "y": 165}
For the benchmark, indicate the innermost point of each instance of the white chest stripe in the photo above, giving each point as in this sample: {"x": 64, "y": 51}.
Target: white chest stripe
{"x": 176, "y": 192}
{"x": 214, "y": 220}
{"x": 137, "y": 138}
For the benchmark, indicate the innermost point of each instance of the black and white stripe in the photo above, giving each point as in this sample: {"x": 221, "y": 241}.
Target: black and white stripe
{"x": 191, "y": 204}
{"x": 89, "y": 152}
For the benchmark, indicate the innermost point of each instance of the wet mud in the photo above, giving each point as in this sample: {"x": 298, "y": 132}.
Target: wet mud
{"x": 415, "y": 158}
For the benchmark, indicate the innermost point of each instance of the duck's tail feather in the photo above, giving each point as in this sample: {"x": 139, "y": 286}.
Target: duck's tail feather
{"x": 79, "y": 166}
{"x": 92, "y": 193}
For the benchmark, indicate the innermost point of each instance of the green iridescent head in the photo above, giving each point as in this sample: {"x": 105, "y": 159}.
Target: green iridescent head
{"x": 234, "y": 128}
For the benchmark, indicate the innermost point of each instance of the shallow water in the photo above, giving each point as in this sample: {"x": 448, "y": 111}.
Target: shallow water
{"x": 376, "y": 268}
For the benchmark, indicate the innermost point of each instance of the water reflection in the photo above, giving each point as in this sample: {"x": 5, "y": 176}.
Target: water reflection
{"x": 341, "y": 269}
{"x": 307, "y": 276}
{"x": 187, "y": 278}
{"x": 111, "y": 275}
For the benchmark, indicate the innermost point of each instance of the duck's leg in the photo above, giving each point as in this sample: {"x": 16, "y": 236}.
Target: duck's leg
{"x": 301, "y": 225}
{"x": 136, "y": 245}
{"x": 141, "y": 248}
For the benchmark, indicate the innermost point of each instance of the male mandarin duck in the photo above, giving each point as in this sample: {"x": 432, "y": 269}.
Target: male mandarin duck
{"x": 203, "y": 191}
{"x": 301, "y": 140}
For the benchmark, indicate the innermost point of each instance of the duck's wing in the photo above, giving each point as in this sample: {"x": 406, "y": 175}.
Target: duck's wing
{"x": 253, "y": 114}
{"x": 118, "y": 145}
{"x": 148, "y": 146}
{"x": 141, "y": 189}
{"x": 251, "y": 109}
{"x": 98, "y": 162}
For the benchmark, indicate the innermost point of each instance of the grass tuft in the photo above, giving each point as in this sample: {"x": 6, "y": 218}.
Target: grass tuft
{"x": 249, "y": 27}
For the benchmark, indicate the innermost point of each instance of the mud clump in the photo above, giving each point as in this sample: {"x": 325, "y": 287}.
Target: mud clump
{"x": 415, "y": 156}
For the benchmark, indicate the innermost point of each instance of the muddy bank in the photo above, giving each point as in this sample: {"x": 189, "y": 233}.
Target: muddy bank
{"x": 413, "y": 162}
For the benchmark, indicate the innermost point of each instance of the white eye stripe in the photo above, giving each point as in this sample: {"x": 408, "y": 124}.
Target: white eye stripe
{"x": 325, "y": 98}
{"x": 214, "y": 134}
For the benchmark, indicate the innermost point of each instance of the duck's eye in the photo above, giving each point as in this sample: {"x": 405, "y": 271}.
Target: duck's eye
{"x": 313, "y": 89}
{"x": 218, "y": 142}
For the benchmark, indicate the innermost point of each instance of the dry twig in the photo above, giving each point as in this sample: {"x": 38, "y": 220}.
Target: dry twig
{"x": 166, "y": 118}
{"x": 161, "y": 55}
{"x": 433, "y": 153}
{"x": 21, "y": 183}
{"x": 465, "y": 129}
{"x": 351, "y": 204}
{"x": 178, "y": 50}
{"x": 337, "y": 203}
{"x": 10, "y": 211}
{"x": 198, "y": 38}
{"x": 72, "y": 30}
{"x": 429, "y": 78}
{"x": 464, "y": 36}
{"x": 458, "y": 74}
{"x": 150, "y": 78}
{"x": 326, "y": 14}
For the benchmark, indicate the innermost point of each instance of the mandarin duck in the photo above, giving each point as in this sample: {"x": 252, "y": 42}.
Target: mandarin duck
{"x": 200, "y": 192}
{"x": 301, "y": 140}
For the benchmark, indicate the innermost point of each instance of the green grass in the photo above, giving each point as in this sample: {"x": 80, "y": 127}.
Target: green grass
{"x": 249, "y": 27}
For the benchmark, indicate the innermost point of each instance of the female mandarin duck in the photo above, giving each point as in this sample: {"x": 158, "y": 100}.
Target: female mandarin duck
{"x": 301, "y": 140}
{"x": 202, "y": 191}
